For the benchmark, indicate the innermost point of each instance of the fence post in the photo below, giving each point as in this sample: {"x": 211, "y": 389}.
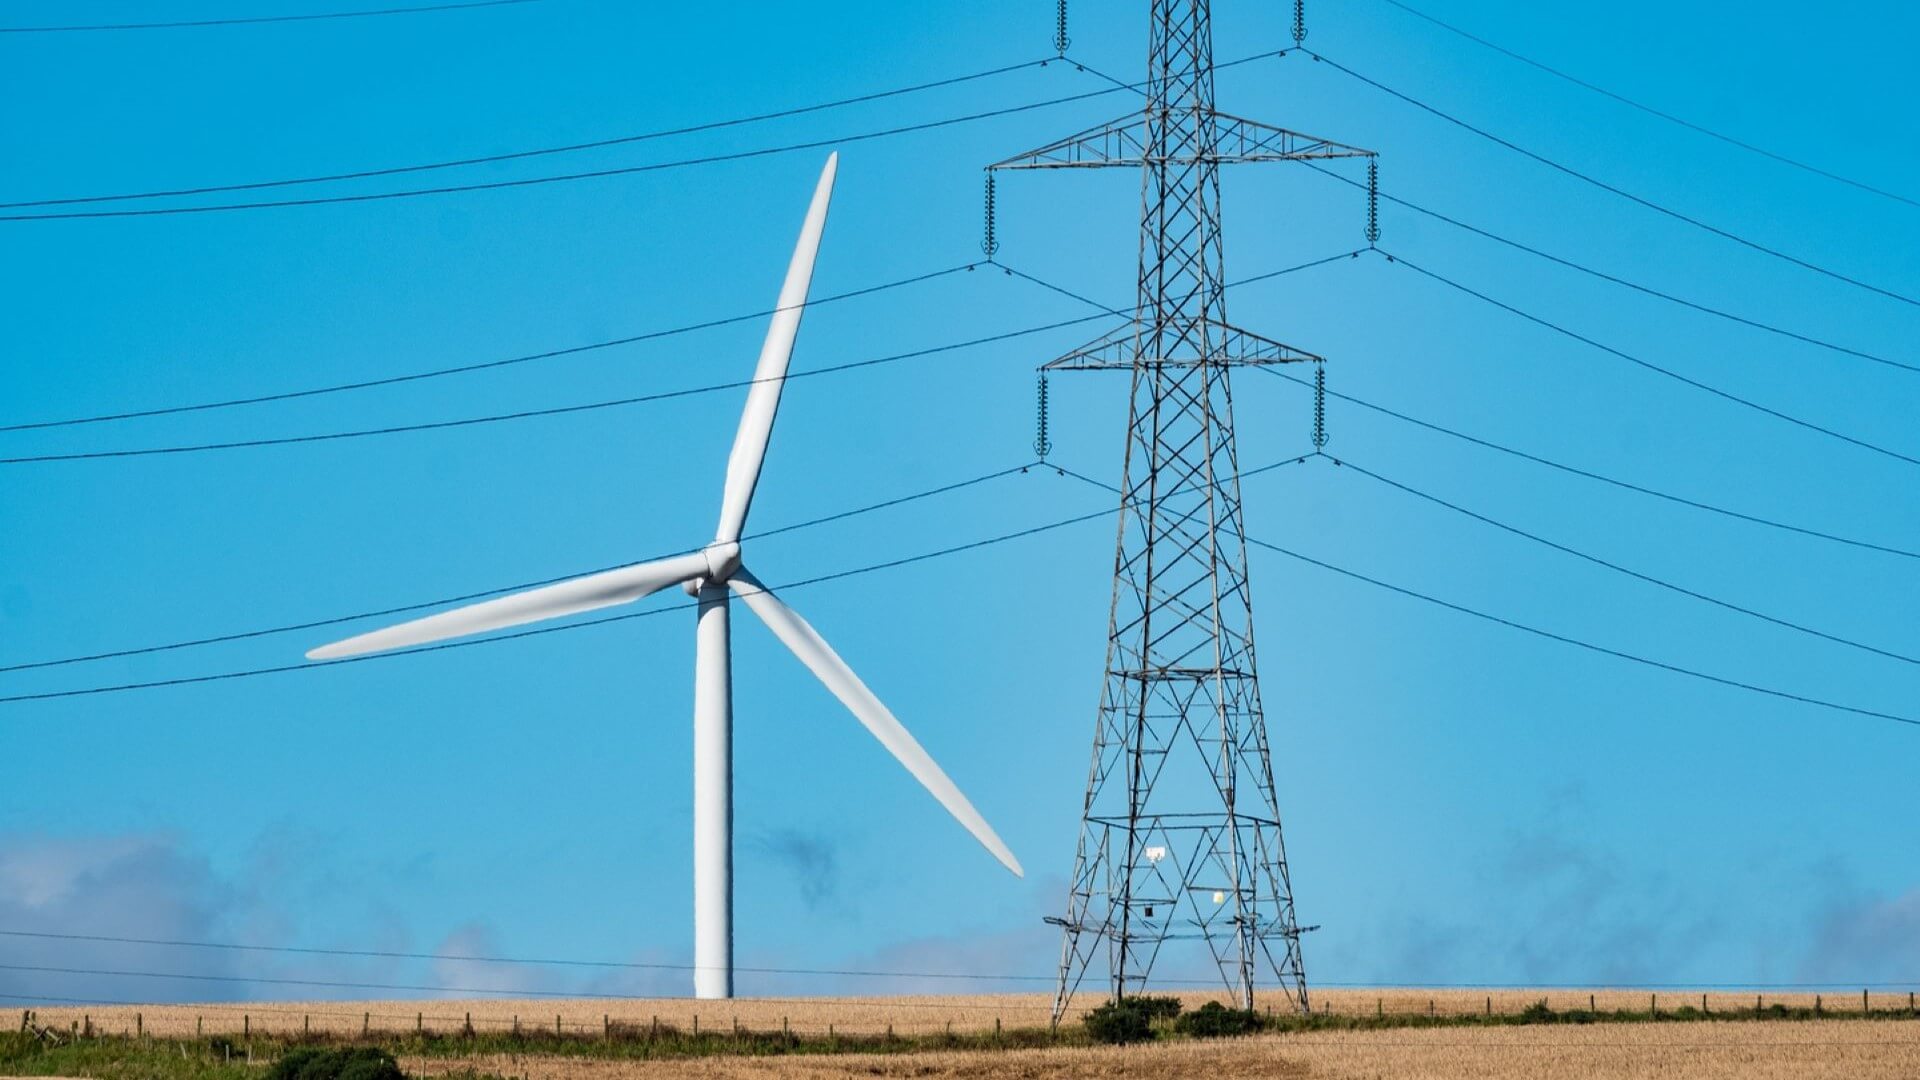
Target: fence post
{"x": 653, "y": 1029}
{"x": 140, "y": 1022}
{"x": 1653, "y": 1004}
{"x": 246, "y": 1026}
{"x": 606, "y": 1026}
{"x": 1489, "y": 1004}
{"x": 696, "y": 1025}
{"x": 1816, "y": 1004}
{"x": 996, "y": 1020}
{"x": 419, "y": 1023}
{"x": 1429, "y": 1008}
{"x": 1379, "y": 1008}
{"x": 556, "y": 1025}
{"x": 306, "y": 1025}
{"x": 366, "y": 1023}
{"x": 1864, "y": 1006}
{"x": 1590, "y": 1004}
{"x": 1703, "y": 1003}
{"x": 196, "y": 1027}
{"x": 784, "y": 1032}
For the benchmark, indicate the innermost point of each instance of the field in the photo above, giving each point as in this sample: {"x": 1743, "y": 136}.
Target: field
{"x": 1356, "y": 1035}
{"x": 922, "y": 1015}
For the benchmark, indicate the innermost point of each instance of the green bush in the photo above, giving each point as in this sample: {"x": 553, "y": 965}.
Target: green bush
{"x": 1157, "y": 1007}
{"x": 1538, "y": 1013}
{"x": 357, "y": 1063}
{"x": 1121, "y": 1021}
{"x": 1214, "y": 1019}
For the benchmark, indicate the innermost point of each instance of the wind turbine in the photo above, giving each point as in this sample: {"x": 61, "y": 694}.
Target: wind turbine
{"x": 712, "y": 575}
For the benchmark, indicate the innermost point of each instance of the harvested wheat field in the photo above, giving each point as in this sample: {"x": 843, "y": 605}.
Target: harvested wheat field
{"x": 1823, "y": 1050}
{"x": 906, "y": 1015}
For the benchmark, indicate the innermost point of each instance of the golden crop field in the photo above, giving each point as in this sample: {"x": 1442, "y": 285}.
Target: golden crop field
{"x": 1784, "y": 1050}
{"x": 854, "y": 1015}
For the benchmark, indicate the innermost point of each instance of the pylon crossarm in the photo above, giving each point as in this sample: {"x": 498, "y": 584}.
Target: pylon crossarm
{"x": 1235, "y": 140}
{"x": 1121, "y": 350}
{"x": 1116, "y": 142}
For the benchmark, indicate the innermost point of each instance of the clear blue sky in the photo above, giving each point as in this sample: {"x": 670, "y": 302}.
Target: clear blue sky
{"x": 1463, "y": 803}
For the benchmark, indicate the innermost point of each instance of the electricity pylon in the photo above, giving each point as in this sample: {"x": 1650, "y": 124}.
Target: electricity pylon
{"x": 1181, "y": 831}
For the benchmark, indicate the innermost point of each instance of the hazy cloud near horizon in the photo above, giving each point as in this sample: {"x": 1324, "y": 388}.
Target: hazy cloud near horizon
{"x": 1568, "y": 912}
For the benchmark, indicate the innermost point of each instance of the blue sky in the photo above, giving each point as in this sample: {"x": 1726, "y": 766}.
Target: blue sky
{"x": 1463, "y": 803}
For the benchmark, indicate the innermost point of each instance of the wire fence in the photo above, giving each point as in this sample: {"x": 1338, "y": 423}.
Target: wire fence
{"x": 904, "y": 1016}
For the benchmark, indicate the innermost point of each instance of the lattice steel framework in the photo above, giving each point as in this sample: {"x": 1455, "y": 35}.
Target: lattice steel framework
{"x": 1181, "y": 833}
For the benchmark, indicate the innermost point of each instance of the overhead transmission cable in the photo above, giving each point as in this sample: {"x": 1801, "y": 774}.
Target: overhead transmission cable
{"x": 560, "y": 410}
{"x": 1650, "y": 110}
{"x": 635, "y": 965}
{"x": 1697, "y": 384}
{"x": 1588, "y": 474}
{"x": 1564, "y": 639}
{"x": 253, "y": 20}
{"x": 1646, "y": 290}
{"x": 311, "y": 624}
{"x": 561, "y": 178}
{"x": 1613, "y": 189}
{"x": 484, "y": 365}
{"x": 565, "y": 627}
{"x": 1641, "y": 489}
{"x": 592, "y": 174}
{"x": 1003, "y": 538}
{"x": 557, "y": 410}
{"x": 1596, "y": 560}
{"x": 517, "y": 155}
{"x": 1756, "y": 324}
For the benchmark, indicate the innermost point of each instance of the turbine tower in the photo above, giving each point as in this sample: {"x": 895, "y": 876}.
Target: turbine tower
{"x": 712, "y": 575}
{"x": 1180, "y": 836}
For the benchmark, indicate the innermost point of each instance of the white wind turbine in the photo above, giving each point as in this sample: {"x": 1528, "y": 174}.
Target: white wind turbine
{"x": 711, "y": 574}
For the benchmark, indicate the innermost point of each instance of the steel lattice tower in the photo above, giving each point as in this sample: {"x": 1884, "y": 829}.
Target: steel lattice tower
{"x": 1181, "y": 830}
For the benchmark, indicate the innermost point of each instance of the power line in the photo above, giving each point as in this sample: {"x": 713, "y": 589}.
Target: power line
{"x": 261, "y": 19}
{"x": 487, "y": 365}
{"x": 1653, "y": 367}
{"x": 386, "y": 954}
{"x": 489, "y": 991}
{"x": 592, "y": 174}
{"x": 1524, "y": 455}
{"x": 1548, "y": 634}
{"x": 870, "y": 568}
{"x": 621, "y": 140}
{"x": 529, "y": 414}
{"x": 1756, "y": 324}
{"x": 313, "y": 624}
{"x": 1621, "y": 192}
{"x": 1619, "y": 569}
{"x": 554, "y": 629}
{"x": 1587, "y": 645}
{"x": 595, "y": 174}
{"x": 1624, "y": 485}
{"x": 547, "y": 355}
{"x": 1650, "y": 110}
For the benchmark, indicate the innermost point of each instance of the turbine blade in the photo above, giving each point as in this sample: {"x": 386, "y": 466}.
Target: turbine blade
{"x": 770, "y": 375}
{"x": 813, "y": 651}
{"x": 605, "y": 589}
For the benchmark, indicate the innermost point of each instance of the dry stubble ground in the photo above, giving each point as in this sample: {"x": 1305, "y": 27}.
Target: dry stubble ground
{"x": 1882, "y": 1049}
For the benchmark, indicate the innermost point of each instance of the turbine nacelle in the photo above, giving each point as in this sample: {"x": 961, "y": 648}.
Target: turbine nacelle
{"x": 723, "y": 560}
